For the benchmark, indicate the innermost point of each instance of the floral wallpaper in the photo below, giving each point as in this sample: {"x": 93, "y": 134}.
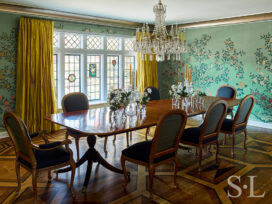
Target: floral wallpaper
{"x": 238, "y": 55}
{"x": 8, "y": 46}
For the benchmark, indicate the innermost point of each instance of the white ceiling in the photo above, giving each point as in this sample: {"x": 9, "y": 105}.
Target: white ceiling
{"x": 177, "y": 11}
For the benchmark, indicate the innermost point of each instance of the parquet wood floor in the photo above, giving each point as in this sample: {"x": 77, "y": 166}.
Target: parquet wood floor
{"x": 209, "y": 186}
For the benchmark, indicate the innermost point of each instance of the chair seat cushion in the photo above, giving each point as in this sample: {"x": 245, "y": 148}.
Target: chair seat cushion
{"x": 227, "y": 126}
{"x": 192, "y": 135}
{"x": 47, "y": 158}
{"x": 140, "y": 151}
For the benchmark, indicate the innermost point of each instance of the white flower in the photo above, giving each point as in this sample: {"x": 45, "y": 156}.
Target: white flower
{"x": 170, "y": 92}
{"x": 149, "y": 90}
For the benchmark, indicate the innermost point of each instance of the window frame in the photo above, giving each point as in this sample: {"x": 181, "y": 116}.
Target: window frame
{"x": 61, "y": 51}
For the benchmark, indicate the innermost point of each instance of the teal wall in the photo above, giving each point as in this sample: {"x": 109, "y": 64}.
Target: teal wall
{"x": 8, "y": 45}
{"x": 239, "y": 55}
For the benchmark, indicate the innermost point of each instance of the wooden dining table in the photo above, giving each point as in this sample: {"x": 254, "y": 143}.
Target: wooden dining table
{"x": 103, "y": 122}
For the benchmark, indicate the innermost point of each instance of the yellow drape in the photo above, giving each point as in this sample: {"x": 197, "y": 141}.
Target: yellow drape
{"x": 35, "y": 86}
{"x": 147, "y": 71}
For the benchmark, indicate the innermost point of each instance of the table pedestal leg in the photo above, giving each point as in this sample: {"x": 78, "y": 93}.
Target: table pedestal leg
{"x": 92, "y": 155}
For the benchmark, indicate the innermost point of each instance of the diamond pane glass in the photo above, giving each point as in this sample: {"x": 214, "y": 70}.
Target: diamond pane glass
{"x": 128, "y": 44}
{"x": 94, "y": 42}
{"x": 129, "y": 71}
{"x": 72, "y": 40}
{"x": 56, "y": 39}
{"x": 93, "y": 76}
{"x": 72, "y": 73}
{"x": 112, "y": 72}
{"x": 113, "y": 44}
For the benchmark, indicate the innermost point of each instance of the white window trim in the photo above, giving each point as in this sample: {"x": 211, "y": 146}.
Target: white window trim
{"x": 83, "y": 52}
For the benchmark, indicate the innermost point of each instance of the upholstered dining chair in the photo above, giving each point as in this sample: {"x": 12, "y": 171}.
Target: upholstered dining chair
{"x": 75, "y": 101}
{"x": 154, "y": 95}
{"x": 226, "y": 91}
{"x": 239, "y": 123}
{"x": 162, "y": 149}
{"x": 207, "y": 133}
{"x": 34, "y": 158}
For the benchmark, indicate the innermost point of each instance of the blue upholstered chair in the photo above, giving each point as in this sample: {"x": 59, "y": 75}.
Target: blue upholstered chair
{"x": 155, "y": 95}
{"x": 226, "y": 91}
{"x": 239, "y": 123}
{"x": 75, "y": 101}
{"x": 34, "y": 158}
{"x": 208, "y": 132}
{"x": 162, "y": 149}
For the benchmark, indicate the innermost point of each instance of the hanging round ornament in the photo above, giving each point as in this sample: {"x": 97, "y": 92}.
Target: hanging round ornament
{"x": 72, "y": 78}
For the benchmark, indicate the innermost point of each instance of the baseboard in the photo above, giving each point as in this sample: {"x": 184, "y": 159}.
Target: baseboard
{"x": 254, "y": 123}
{"x": 260, "y": 124}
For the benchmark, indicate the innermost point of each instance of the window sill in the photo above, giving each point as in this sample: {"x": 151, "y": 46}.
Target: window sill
{"x": 92, "y": 104}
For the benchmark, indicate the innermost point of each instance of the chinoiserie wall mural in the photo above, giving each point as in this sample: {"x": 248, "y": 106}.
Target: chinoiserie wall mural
{"x": 8, "y": 48}
{"x": 239, "y": 55}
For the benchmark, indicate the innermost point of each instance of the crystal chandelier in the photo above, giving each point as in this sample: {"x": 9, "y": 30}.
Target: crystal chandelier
{"x": 160, "y": 42}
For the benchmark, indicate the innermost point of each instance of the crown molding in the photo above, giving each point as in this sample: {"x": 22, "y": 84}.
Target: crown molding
{"x": 59, "y": 15}
{"x": 228, "y": 21}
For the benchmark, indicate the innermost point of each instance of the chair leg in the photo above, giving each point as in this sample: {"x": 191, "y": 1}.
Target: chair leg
{"x": 146, "y": 133}
{"x": 123, "y": 163}
{"x": 49, "y": 177}
{"x": 130, "y": 136}
{"x": 66, "y": 135}
{"x": 77, "y": 147}
{"x": 225, "y": 139}
{"x": 196, "y": 152}
{"x": 17, "y": 167}
{"x": 175, "y": 173}
{"x": 114, "y": 139}
{"x": 245, "y": 138}
{"x": 73, "y": 170}
{"x": 231, "y": 114}
{"x": 127, "y": 134}
{"x": 199, "y": 157}
{"x": 151, "y": 173}
{"x": 34, "y": 184}
{"x": 233, "y": 143}
{"x": 217, "y": 151}
{"x": 105, "y": 144}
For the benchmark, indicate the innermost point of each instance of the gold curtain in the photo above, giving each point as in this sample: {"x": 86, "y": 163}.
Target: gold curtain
{"x": 35, "y": 85}
{"x": 147, "y": 71}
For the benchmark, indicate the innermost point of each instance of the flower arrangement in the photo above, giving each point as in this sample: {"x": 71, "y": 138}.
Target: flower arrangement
{"x": 144, "y": 98}
{"x": 178, "y": 91}
{"x": 118, "y": 98}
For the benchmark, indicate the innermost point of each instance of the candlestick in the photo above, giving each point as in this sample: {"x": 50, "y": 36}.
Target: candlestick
{"x": 190, "y": 75}
{"x": 123, "y": 79}
{"x": 130, "y": 74}
{"x": 186, "y": 74}
{"x": 133, "y": 80}
{"x": 136, "y": 78}
{"x": 178, "y": 75}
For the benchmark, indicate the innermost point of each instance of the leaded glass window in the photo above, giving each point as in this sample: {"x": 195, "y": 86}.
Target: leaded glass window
{"x": 72, "y": 73}
{"x": 93, "y": 76}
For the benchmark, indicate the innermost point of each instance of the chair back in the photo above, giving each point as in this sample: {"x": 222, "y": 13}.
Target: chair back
{"x": 168, "y": 133}
{"x": 226, "y": 91}
{"x": 213, "y": 120}
{"x": 154, "y": 95}
{"x": 76, "y": 101}
{"x": 19, "y": 135}
{"x": 244, "y": 109}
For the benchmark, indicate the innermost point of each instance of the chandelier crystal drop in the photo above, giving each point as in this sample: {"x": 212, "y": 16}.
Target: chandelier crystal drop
{"x": 160, "y": 42}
